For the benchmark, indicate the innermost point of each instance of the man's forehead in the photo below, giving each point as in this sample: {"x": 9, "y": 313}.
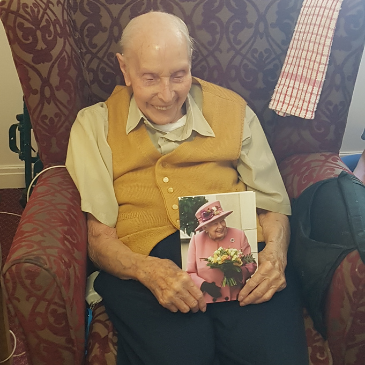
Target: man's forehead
{"x": 145, "y": 66}
{"x": 158, "y": 41}
{"x": 150, "y": 54}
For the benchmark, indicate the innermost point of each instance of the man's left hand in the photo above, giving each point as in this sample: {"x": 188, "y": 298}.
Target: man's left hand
{"x": 270, "y": 275}
{"x": 267, "y": 280}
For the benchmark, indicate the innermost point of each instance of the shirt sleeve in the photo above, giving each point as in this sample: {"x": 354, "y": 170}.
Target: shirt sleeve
{"x": 258, "y": 170}
{"x": 89, "y": 162}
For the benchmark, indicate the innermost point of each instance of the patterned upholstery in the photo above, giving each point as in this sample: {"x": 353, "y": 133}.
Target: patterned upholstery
{"x": 102, "y": 340}
{"x": 64, "y": 54}
{"x": 346, "y": 312}
{"x": 46, "y": 271}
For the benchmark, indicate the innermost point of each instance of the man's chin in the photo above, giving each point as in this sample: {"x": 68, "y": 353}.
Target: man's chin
{"x": 162, "y": 121}
{"x": 162, "y": 117}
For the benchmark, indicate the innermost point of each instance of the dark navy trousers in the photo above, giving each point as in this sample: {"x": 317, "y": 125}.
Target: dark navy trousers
{"x": 270, "y": 333}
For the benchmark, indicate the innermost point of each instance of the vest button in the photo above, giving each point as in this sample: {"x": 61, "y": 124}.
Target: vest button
{"x": 165, "y": 179}
{"x": 178, "y": 221}
{"x": 175, "y": 207}
{"x": 170, "y": 190}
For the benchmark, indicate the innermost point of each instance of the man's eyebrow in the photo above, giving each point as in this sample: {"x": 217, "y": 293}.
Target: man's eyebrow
{"x": 146, "y": 72}
{"x": 179, "y": 71}
{"x": 143, "y": 72}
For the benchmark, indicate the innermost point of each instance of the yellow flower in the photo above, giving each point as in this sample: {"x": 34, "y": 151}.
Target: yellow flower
{"x": 237, "y": 262}
{"x": 225, "y": 257}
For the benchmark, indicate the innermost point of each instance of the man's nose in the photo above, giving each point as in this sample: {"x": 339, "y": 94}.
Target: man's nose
{"x": 166, "y": 93}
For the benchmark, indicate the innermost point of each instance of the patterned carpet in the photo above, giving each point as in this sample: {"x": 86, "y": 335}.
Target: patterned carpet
{"x": 9, "y": 202}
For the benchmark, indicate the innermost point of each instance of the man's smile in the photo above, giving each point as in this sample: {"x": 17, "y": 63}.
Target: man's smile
{"x": 163, "y": 107}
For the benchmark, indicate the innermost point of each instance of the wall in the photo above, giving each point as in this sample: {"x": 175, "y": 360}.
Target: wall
{"x": 11, "y": 104}
{"x": 12, "y": 169}
{"x": 352, "y": 143}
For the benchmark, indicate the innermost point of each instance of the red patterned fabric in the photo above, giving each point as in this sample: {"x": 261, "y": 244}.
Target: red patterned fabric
{"x": 102, "y": 343}
{"x": 301, "y": 171}
{"x": 64, "y": 52}
{"x": 318, "y": 350}
{"x": 45, "y": 272}
{"x": 49, "y": 67}
{"x": 346, "y": 312}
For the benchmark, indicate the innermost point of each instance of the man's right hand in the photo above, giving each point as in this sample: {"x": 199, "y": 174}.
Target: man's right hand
{"x": 172, "y": 287}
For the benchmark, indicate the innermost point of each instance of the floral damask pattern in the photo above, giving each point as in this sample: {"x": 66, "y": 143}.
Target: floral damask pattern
{"x": 102, "y": 342}
{"x": 318, "y": 351}
{"x": 301, "y": 171}
{"x": 346, "y": 312}
{"x": 49, "y": 68}
{"x": 64, "y": 52}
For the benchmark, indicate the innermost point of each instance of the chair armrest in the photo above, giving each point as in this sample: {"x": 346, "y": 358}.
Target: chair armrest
{"x": 301, "y": 171}
{"x": 45, "y": 273}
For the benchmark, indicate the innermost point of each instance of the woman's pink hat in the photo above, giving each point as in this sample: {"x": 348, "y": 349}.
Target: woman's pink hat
{"x": 210, "y": 212}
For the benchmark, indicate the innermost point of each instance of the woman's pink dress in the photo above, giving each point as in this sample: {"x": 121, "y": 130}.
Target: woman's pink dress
{"x": 202, "y": 246}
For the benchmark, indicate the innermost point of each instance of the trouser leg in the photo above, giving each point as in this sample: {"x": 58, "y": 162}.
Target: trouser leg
{"x": 149, "y": 334}
{"x": 270, "y": 333}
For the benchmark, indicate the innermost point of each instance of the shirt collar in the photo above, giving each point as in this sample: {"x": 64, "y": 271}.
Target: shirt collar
{"x": 194, "y": 117}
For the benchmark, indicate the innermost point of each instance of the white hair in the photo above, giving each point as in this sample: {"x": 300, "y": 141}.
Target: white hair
{"x": 133, "y": 26}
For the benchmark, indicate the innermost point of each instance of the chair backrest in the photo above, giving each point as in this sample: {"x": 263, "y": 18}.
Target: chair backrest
{"x": 64, "y": 52}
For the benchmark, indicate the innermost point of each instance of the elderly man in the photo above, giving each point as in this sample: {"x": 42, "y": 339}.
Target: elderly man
{"x": 160, "y": 137}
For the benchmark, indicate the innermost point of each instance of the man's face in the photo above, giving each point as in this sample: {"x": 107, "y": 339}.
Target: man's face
{"x": 159, "y": 74}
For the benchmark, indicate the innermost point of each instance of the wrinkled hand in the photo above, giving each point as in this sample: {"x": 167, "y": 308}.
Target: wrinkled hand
{"x": 267, "y": 280}
{"x": 173, "y": 288}
{"x": 211, "y": 288}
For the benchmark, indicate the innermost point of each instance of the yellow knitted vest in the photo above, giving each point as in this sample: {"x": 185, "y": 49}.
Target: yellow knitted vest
{"x": 147, "y": 184}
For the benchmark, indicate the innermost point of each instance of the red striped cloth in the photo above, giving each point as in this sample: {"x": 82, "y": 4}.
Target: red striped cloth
{"x": 300, "y": 83}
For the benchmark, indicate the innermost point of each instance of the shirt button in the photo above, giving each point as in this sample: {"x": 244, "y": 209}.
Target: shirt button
{"x": 165, "y": 179}
{"x": 175, "y": 207}
{"x": 170, "y": 190}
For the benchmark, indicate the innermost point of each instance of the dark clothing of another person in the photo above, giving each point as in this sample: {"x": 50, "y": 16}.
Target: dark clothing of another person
{"x": 327, "y": 223}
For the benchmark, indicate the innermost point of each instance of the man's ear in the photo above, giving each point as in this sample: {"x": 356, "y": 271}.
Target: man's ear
{"x": 124, "y": 68}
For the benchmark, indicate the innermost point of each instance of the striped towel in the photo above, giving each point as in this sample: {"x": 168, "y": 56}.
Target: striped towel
{"x": 301, "y": 80}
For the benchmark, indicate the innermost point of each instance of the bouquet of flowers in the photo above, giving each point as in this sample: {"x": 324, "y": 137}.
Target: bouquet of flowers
{"x": 229, "y": 261}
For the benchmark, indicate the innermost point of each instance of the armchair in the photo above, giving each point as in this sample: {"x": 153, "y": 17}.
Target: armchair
{"x": 64, "y": 54}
